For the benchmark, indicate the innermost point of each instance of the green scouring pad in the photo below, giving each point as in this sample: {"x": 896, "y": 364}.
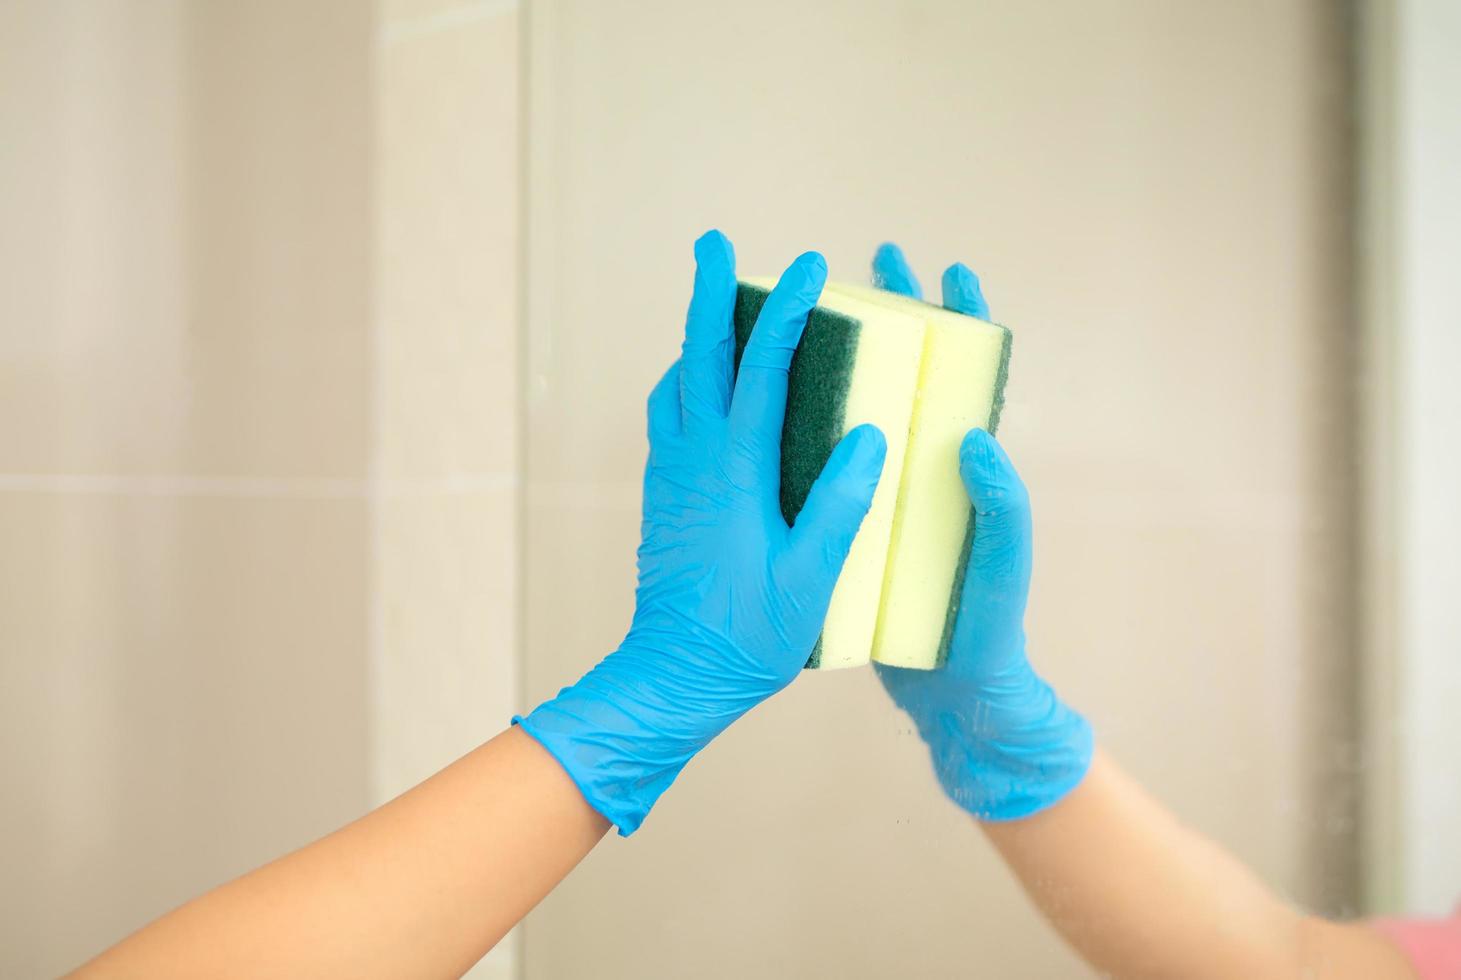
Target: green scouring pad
{"x": 925, "y": 376}
{"x": 857, "y": 362}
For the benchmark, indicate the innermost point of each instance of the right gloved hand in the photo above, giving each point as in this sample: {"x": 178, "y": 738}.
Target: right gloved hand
{"x": 1003, "y": 745}
{"x": 730, "y": 599}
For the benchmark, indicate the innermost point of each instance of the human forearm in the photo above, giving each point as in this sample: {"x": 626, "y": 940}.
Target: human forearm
{"x": 1132, "y": 889}
{"x": 729, "y": 604}
{"x": 1138, "y": 894}
{"x": 423, "y": 886}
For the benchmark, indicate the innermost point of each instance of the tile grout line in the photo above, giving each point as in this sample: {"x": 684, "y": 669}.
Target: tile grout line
{"x": 444, "y": 20}
{"x": 515, "y": 967}
{"x": 167, "y": 485}
{"x": 245, "y": 488}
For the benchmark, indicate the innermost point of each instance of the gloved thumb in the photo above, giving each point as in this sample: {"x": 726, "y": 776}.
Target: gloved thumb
{"x": 839, "y": 500}
{"x": 999, "y": 559}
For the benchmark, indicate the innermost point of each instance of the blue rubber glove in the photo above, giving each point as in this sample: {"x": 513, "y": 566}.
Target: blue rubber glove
{"x": 1003, "y": 745}
{"x": 730, "y": 599}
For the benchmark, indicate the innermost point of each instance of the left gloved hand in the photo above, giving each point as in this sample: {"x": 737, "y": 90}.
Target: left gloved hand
{"x": 1003, "y": 745}
{"x": 730, "y": 599}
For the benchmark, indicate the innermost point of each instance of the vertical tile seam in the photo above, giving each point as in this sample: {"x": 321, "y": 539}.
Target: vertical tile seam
{"x": 517, "y": 964}
{"x": 375, "y": 621}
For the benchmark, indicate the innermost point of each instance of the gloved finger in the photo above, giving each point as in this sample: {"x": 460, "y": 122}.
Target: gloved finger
{"x": 836, "y": 505}
{"x": 663, "y": 408}
{"x": 758, "y": 406}
{"x": 706, "y": 357}
{"x": 998, "y": 575}
{"x": 962, "y": 293}
{"x": 892, "y": 272}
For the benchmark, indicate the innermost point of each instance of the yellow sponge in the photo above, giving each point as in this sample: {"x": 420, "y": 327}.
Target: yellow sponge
{"x": 960, "y": 387}
{"x": 858, "y": 362}
{"x": 925, "y": 376}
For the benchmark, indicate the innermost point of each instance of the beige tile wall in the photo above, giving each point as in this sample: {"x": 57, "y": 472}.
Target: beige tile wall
{"x": 183, "y": 428}
{"x": 257, "y": 436}
{"x": 258, "y": 443}
{"x": 181, "y": 698}
{"x": 278, "y": 196}
{"x": 446, "y": 254}
{"x": 1153, "y": 194}
{"x": 445, "y": 455}
{"x": 95, "y": 231}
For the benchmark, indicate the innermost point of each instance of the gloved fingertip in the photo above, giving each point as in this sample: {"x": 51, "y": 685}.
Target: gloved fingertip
{"x": 978, "y": 461}
{"x": 713, "y": 248}
{"x": 962, "y": 292}
{"x": 811, "y": 264}
{"x": 892, "y": 272}
{"x": 975, "y": 446}
{"x": 857, "y": 460}
{"x": 805, "y": 278}
{"x": 869, "y": 447}
{"x": 989, "y": 477}
{"x": 712, "y": 238}
{"x": 887, "y": 257}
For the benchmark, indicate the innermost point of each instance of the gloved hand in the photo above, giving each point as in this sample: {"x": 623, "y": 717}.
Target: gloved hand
{"x": 730, "y": 600}
{"x": 1003, "y": 745}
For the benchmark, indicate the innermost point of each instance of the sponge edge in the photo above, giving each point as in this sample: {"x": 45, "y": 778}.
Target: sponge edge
{"x": 961, "y": 386}
{"x": 857, "y": 362}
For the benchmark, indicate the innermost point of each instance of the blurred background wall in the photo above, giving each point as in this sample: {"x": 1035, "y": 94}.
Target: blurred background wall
{"x": 1409, "y": 250}
{"x": 298, "y": 500}
{"x": 257, "y": 435}
{"x": 183, "y": 436}
{"x": 1155, "y": 195}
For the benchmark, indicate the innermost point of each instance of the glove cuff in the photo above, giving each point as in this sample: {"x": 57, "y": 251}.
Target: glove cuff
{"x": 607, "y": 733}
{"x": 1005, "y": 768}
